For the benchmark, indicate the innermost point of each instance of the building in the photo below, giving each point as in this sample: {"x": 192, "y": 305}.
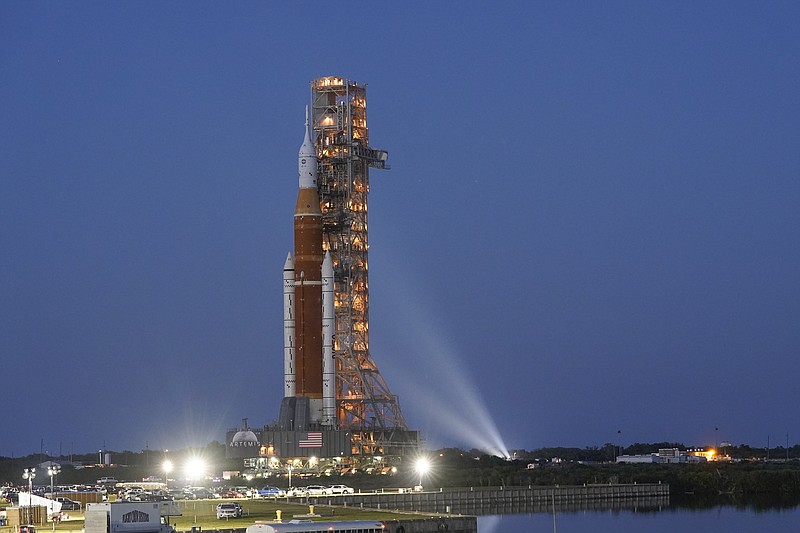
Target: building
{"x": 664, "y": 455}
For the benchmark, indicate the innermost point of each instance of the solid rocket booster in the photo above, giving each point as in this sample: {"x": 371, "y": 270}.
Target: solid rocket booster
{"x": 288, "y": 327}
{"x": 328, "y": 328}
{"x": 308, "y": 259}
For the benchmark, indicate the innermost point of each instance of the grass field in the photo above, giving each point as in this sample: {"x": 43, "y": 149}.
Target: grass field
{"x": 202, "y": 514}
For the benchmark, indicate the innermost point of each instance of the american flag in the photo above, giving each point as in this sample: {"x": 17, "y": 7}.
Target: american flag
{"x": 313, "y": 440}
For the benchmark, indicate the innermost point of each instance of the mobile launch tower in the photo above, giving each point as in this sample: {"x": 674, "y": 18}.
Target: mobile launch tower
{"x": 337, "y": 410}
{"x": 341, "y": 138}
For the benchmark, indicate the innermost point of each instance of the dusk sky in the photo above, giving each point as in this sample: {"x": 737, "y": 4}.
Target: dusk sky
{"x": 590, "y": 232}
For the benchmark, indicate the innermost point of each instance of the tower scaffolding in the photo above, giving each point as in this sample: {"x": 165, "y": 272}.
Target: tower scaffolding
{"x": 339, "y": 117}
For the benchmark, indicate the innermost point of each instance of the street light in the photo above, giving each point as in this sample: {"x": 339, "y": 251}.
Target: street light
{"x": 29, "y": 474}
{"x": 53, "y": 471}
{"x": 167, "y": 467}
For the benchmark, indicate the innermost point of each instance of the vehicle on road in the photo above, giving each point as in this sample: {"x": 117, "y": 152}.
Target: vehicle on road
{"x": 341, "y": 489}
{"x": 232, "y": 493}
{"x": 317, "y": 490}
{"x": 229, "y": 510}
{"x": 271, "y": 492}
{"x": 293, "y": 492}
{"x": 201, "y": 493}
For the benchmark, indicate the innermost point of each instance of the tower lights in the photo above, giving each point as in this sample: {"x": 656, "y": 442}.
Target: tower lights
{"x": 29, "y": 474}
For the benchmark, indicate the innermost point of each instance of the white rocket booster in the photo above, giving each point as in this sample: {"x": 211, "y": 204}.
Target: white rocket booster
{"x": 328, "y": 329}
{"x": 288, "y": 327}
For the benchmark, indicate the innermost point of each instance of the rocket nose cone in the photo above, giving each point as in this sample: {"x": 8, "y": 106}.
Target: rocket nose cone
{"x": 327, "y": 265}
{"x": 307, "y": 148}
{"x": 289, "y": 264}
{"x": 307, "y": 161}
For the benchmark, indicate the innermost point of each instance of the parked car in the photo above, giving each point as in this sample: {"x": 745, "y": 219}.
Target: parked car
{"x": 317, "y": 490}
{"x": 178, "y": 494}
{"x": 202, "y": 494}
{"x": 231, "y": 493}
{"x": 341, "y": 489}
{"x": 229, "y": 510}
{"x": 271, "y": 492}
{"x": 296, "y": 491}
{"x": 68, "y": 505}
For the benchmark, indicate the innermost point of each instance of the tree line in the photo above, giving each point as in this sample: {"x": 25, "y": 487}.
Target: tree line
{"x": 453, "y": 467}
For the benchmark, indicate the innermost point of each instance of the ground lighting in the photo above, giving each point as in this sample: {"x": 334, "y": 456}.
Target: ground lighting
{"x": 422, "y": 466}
{"x": 195, "y": 469}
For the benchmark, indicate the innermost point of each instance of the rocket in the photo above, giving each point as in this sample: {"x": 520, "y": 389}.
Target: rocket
{"x": 308, "y": 306}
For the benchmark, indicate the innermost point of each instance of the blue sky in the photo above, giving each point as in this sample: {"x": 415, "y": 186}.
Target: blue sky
{"x": 590, "y": 225}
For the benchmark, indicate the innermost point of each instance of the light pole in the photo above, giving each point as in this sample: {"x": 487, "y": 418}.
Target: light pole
{"x": 29, "y": 474}
{"x": 167, "y": 467}
{"x": 53, "y": 471}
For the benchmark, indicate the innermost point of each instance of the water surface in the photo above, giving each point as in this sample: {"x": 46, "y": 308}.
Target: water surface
{"x": 724, "y": 518}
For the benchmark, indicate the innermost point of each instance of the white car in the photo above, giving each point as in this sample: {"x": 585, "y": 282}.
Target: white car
{"x": 229, "y": 510}
{"x": 340, "y": 489}
{"x": 317, "y": 490}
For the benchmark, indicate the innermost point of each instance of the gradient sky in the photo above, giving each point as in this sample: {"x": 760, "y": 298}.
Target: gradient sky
{"x": 591, "y": 224}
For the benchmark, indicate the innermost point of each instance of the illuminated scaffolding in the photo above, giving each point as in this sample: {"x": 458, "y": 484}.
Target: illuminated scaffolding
{"x": 339, "y": 113}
